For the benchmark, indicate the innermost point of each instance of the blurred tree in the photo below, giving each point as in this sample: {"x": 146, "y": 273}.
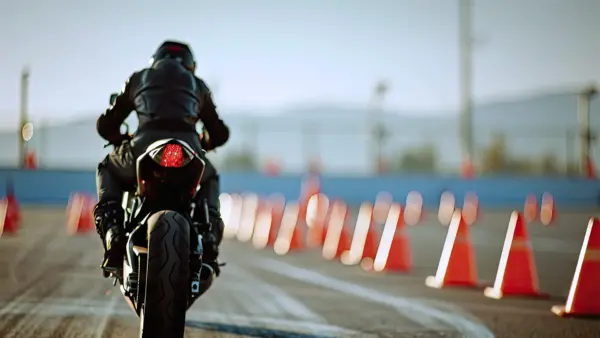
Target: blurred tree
{"x": 521, "y": 166}
{"x": 494, "y": 157}
{"x": 572, "y": 168}
{"x": 422, "y": 159}
{"x": 549, "y": 164}
{"x": 240, "y": 160}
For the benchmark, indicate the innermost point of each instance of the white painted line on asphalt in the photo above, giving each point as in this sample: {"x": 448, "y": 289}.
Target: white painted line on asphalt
{"x": 266, "y": 293}
{"x": 9, "y": 307}
{"x": 111, "y": 309}
{"x": 32, "y": 320}
{"x": 108, "y": 311}
{"x": 30, "y": 245}
{"x": 249, "y": 303}
{"x": 57, "y": 300}
{"x": 63, "y": 310}
{"x": 409, "y": 308}
{"x": 19, "y": 304}
{"x": 509, "y": 309}
{"x": 296, "y": 326}
{"x": 248, "y": 296}
{"x": 28, "y": 323}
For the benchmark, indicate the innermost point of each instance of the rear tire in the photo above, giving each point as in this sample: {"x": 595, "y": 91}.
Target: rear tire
{"x": 168, "y": 276}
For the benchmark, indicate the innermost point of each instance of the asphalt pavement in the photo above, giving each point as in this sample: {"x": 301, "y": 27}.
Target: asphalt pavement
{"x": 51, "y": 286}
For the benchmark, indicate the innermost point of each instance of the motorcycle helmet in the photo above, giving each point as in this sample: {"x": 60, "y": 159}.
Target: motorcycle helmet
{"x": 177, "y": 51}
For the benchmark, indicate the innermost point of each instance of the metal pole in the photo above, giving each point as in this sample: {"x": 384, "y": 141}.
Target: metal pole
{"x": 310, "y": 144}
{"x": 23, "y": 116}
{"x": 252, "y": 135}
{"x": 378, "y": 131}
{"x": 305, "y": 145}
{"x": 466, "y": 68}
{"x": 586, "y": 137}
{"x": 42, "y": 135}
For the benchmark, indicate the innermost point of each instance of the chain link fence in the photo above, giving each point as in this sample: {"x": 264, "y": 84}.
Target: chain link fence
{"x": 345, "y": 148}
{"x": 435, "y": 149}
{"x": 539, "y": 138}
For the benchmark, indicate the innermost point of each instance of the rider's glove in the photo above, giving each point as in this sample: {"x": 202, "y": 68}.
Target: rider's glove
{"x": 205, "y": 141}
{"x": 119, "y": 139}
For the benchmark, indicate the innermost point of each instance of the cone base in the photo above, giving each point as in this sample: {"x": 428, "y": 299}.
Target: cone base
{"x": 438, "y": 283}
{"x": 394, "y": 269}
{"x": 330, "y": 257}
{"x": 347, "y": 259}
{"x": 367, "y": 264}
{"x": 561, "y": 311}
{"x": 494, "y": 293}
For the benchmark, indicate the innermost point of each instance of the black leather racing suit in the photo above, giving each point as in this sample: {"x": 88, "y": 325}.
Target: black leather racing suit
{"x": 169, "y": 101}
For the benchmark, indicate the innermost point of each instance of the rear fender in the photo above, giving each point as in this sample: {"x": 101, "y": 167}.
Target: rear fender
{"x": 155, "y": 147}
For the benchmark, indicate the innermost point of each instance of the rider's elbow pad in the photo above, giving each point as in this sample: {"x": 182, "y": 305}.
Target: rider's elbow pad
{"x": 220, "y": 136}
{"x": 106, "y": 128}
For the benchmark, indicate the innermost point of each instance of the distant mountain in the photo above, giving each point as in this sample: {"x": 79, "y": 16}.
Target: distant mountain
{"x": 339, "y": 135}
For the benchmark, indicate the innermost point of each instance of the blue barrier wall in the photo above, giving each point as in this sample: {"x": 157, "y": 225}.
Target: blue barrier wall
{"x": 54, "y": 187}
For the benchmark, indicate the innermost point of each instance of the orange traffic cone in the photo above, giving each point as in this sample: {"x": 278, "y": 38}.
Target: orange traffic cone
{"x": 91, "y": 202}
{"x": 30, "y": 160}
{"x": 394, "y": 248}
{"x": 470, "y": 209}
{"x": 12, "y": 201}
{"x": 3, "y": 214}
{"x": 547, "y": 209}
{"x": 517, "y": 274}
{"x": 250, "y": 206}
{"x": 413, "y": 211}
{"x": 364, "y": 239}
{"x": 467, "y": 170}
{"x": 381, "y": 207}
{"x": 372, "y": 240}
{"x": 584, "y": 295}
{"x": 231, "y": 209}
{"x": 590, "y": 168}
{"x": 262, "y": 225}
{"x": 278, "y": 206}
{"x": 79, "y": 214}
{"x": 337, "y": 238}
{"x": 457, "y": 264}
{"x": 531, "y": 209}
{"x": 310, "y": 186}
{"x": 289, "y": 236}
{"x": 9, "y": 217}
{"x": 447, "y": 208}
{"x": 316, "y": 218}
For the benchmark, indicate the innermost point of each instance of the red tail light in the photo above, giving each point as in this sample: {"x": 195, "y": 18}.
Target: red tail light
{"x": 172, "y": 156}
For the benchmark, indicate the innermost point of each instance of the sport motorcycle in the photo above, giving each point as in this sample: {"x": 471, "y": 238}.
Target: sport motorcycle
{"x": 163, "y": 274}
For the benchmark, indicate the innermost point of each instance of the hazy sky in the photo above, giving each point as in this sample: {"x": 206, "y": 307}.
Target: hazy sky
{"x": 265, "y": 54}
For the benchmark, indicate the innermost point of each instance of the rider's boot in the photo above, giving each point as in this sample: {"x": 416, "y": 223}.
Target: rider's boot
{"x": 109, "y": 217}
{"x": 210, "y": 224}
{"x": 204, "y": 268}
{"x": 211, "y": 240}
{"x": 204, "y": 263}
{"x": 210, "y": 227}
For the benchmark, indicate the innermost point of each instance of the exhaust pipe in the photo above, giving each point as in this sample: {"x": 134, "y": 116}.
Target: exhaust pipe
{"x": 207, "y": 275}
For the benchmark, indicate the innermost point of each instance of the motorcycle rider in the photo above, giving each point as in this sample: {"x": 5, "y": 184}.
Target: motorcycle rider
{"x": 169, "y": 100}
